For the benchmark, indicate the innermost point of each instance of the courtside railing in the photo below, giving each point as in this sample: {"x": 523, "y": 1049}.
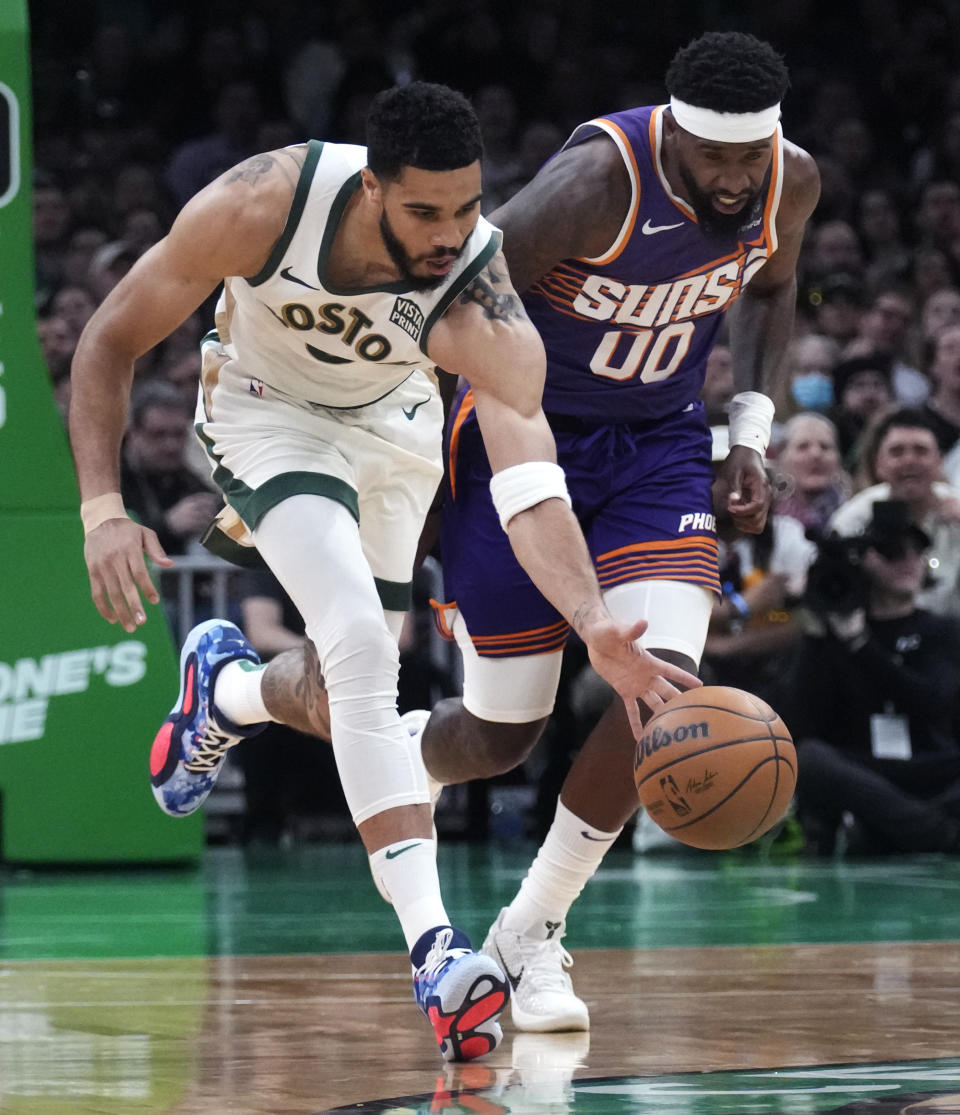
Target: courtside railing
{"x": 198, "y": 583}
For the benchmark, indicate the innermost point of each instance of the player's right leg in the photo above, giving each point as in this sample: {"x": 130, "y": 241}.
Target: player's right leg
{"x": 302, "y": 496}
{"x": 356, "y": 663}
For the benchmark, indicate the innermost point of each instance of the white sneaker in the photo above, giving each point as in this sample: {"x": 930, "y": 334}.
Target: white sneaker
{"x": 414, "y": 722}
{"x": 543, "y": 1000}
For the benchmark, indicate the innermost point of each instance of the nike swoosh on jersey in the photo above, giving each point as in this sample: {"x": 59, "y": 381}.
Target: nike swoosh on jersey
{"x": 409, "y": 413}
{"x": 651, "y": 230}
{"x": 287, "y": 274}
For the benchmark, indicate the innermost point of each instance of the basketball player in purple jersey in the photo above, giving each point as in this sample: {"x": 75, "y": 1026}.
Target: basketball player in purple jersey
{"x": 628, "y": 247}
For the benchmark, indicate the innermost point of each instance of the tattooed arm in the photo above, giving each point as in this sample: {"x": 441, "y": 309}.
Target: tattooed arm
{"x": 228, "y": 229}
{"x": 488, "y": 338}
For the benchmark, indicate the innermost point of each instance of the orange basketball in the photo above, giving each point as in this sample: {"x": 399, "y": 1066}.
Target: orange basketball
{"x": 716, "y": 767}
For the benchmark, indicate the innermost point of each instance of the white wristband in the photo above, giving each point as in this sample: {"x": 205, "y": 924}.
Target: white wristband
{"x": 523, "y": 486}
{"x": 95, "y": 511}
{"x": 751, "y": 416}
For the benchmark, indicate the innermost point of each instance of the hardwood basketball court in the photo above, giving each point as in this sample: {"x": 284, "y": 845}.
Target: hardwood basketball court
{"x": 275, "y": 983}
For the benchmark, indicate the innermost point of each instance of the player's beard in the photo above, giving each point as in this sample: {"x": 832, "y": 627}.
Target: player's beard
{"x": 403, "y": 261}
{"x": 720, "y": 226}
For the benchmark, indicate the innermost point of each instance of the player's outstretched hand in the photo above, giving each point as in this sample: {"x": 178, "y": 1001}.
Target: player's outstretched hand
{"x": 633, "y": 672}
{"x": 742, "y": 489}
{"x": 118, "y": 573}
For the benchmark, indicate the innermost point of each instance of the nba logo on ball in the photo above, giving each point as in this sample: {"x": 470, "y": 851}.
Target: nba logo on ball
{"x": 716, "y": 767}
{"x": 671, "y": 791}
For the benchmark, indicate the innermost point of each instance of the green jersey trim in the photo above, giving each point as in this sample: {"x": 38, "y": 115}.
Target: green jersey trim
{"x": 395, "y": 596}
{"x": 346, "y": 191}
{"x": 223, "y": 546}
{"x": 314, "y": 150}
{"x": 251, "y": 504}
{"x": 466, "y": 276}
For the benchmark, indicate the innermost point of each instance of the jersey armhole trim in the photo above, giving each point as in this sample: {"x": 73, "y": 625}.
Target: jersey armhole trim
{"x": 470, "y": 272}
{"x": 614, "y": 132}
{"x": 314, "y": 150}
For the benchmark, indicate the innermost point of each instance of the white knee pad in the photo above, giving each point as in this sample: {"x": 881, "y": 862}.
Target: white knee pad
{"x": 313, "y": 546}
{"x": 506, "y": 690}
{"x": 677, "y": 612}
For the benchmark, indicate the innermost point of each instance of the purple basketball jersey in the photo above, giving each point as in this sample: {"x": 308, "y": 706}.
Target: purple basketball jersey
{"x": 627, "y": 338}
{"x": 628, "y": 334}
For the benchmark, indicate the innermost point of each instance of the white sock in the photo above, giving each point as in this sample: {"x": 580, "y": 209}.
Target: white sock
{"x": 568, "y": 857}
{"x": 406, "y": 871}
{"x": 237, "y": 692}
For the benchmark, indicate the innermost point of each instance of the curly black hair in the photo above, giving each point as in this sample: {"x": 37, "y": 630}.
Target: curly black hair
{"x": 728, "y": 71}
{"x": 422, "y": 125}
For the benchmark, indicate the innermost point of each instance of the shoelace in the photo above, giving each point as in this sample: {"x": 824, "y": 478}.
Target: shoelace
{"x": 551, "y": 976}
{"x": 440, "y": 952}
{"x": 213, "y": 744}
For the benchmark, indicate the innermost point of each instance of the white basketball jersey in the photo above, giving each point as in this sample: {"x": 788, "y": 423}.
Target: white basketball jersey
{"x": 291, "y": 327}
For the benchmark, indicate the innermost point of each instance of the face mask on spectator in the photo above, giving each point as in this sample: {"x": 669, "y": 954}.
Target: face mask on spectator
{"x": 812, "y": 391}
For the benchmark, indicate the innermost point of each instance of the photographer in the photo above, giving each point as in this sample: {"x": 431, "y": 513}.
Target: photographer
{"x": 873, "y": 694}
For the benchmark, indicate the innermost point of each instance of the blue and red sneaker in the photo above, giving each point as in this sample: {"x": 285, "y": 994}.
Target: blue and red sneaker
{"x": 461, "y": 992}
{"x": 190, "y": 747}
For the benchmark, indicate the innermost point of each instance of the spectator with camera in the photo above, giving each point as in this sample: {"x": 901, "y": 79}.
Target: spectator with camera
{"x": 902, "y": 460}
{"x": 873, "y": 692}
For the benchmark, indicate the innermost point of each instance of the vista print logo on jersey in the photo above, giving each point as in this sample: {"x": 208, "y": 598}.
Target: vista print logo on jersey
{"x": 408, "y": 315}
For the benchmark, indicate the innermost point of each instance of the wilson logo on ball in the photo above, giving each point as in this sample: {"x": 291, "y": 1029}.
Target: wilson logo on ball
{"x": 659, "y": 738}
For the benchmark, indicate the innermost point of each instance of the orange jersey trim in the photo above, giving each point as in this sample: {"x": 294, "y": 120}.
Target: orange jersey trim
{"x": 466, "y": 409}
{"x": 692, "y": 560}
{"x": 707, "y": 540}
{"x": 773, "y": 194}
{"x": 440, "y": 614}
{"x": 537, "y": 640}
{"x": 655, "y": 131}
{"x": 550, "y": 630}
{"x": 510, "y": 649}
{"x": 626, "y": 229}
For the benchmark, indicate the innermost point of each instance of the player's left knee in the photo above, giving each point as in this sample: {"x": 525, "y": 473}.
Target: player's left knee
{"x": 506, "y": 746}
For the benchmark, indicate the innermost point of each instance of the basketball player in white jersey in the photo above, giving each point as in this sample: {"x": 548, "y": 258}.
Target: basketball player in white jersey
{"x": 348, "y": 274}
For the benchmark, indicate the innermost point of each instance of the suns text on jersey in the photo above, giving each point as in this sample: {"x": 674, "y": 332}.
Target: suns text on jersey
{"x": 660, "y": 318}
{"x": 648, "y": 306}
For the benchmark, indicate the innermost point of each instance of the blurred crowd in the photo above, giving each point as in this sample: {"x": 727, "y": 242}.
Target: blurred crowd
{"x": 137, "y": 107}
